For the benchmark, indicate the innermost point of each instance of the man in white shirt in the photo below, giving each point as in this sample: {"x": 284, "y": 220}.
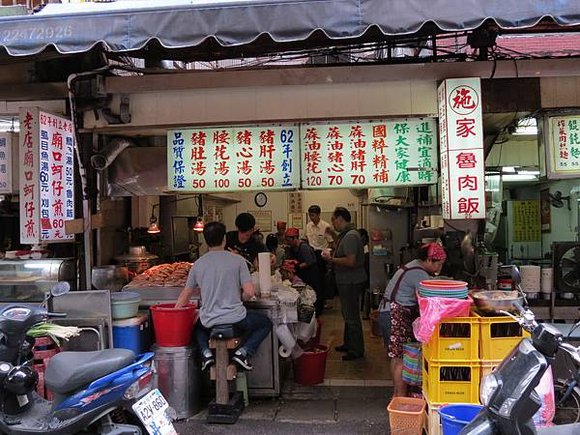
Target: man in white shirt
{"x": 318, "y": 232}
{"x": 320, "y": 236}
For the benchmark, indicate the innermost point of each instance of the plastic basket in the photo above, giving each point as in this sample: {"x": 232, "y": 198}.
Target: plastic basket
{"x": 454, "y": 339}
{"x": 406, "y": 415}
{"x": 499, "y": 335}
{"x": 451, "y": 381}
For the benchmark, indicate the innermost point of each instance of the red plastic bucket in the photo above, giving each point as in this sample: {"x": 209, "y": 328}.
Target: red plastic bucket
{"x": 309, "y": 369}
{"x": 173, "y": 327}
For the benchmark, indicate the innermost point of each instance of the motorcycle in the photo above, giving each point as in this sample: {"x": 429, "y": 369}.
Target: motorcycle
{"x": 93, "y": 391}
{"x": 508, "y": 394}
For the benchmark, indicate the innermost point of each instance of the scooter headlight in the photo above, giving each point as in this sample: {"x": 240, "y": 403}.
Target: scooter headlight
{"x": 488, "y": 388}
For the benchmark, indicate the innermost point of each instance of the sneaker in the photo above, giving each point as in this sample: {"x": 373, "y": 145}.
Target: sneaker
{"x": 206, "y": 362}
{"x": 242, "y": 360}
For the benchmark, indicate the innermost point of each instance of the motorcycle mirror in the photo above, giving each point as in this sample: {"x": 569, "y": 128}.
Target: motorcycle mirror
{"x": 60, "y": 288}
{"x": 516, "y": 276}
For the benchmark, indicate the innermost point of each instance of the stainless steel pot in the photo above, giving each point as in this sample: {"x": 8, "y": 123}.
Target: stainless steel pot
{"x": 111, "y": 278}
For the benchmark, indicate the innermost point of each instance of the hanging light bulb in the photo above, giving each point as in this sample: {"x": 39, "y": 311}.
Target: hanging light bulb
{"x": 153, "y": 227}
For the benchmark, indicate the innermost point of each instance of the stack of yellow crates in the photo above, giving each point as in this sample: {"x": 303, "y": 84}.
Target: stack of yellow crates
{"x": 460, "y": 352}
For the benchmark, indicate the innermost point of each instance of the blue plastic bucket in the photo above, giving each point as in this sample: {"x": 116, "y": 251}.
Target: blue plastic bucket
{"x": 456, "y": 417}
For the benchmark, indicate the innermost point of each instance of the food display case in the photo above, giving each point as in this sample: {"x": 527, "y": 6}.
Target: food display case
{"x": 29, "y": 280}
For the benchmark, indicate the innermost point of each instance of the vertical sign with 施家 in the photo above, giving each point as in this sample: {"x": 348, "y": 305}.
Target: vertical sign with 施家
{"x": 46, "y": 176}
{"x": 233, "y": 158}
{"x": 364, "y": 154}
{"x": 461, "y": 150}
{"x": 563, "y": 150}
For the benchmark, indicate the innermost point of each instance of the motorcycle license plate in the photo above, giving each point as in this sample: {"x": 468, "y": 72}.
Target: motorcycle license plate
{"x": 151, "y": 411}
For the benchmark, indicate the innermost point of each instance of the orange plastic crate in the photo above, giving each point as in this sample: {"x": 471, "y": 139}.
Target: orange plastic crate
{"x": 454, "y": 339}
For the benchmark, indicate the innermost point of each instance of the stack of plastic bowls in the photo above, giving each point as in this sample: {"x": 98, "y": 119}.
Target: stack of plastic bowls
{"x": 441, "y": 288}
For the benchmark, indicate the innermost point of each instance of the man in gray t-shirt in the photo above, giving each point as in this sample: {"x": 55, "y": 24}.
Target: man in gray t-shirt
{"x": 219, "y": 275}
{"x": 350, "y": 274}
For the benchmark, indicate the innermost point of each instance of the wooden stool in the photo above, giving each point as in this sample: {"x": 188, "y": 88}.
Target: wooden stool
{"x": 224, "y": 409}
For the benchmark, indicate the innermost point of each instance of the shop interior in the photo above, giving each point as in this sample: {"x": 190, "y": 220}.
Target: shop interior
{"x": 133, "y": 201}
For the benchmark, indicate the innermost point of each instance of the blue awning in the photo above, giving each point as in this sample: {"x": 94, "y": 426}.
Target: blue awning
{"x": 169, "y": 25}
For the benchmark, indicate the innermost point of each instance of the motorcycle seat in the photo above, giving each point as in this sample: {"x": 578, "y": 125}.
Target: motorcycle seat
{"x": 69, "y": 371}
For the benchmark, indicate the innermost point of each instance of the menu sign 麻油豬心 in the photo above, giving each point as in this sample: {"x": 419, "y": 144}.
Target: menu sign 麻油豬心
{"x": 362, "y": 154}
{"x": 46, "y": 176}
{"x": 233, "y": 158}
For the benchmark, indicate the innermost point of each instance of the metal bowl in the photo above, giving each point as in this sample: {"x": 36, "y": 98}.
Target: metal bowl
{"x": 111, "y": 278}
{"x": 490, "y": 303}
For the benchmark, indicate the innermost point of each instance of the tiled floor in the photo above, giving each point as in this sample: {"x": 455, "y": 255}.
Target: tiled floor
{"x": 372, "y": 370}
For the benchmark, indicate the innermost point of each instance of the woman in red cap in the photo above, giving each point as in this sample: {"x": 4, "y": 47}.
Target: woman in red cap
{"x": 307, "y": 267}
{"x": 400, "y": 301}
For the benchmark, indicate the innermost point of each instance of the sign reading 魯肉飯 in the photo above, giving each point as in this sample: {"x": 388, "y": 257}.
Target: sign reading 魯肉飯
{"x": 461, "y": 149}
{"x": 233, "y": 158}
{"x": 362, "y": 154}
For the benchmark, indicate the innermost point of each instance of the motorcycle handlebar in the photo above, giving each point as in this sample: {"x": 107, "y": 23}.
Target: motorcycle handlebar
{"x": 519, "y": 307}
{"x": 56, "y": 314}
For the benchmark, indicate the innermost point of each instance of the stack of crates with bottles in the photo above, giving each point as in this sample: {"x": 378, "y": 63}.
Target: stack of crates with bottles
{"x": 460, "y": 352}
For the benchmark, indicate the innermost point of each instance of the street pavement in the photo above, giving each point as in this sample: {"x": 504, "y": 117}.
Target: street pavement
{"x": 356, "y": 410}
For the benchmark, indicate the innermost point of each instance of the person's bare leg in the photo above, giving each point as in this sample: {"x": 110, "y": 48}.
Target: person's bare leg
{"x": 397, "y": 374}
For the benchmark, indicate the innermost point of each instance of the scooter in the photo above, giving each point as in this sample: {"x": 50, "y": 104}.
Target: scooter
{"x": 507, "y": 394}
{"x": 90, "y": 389}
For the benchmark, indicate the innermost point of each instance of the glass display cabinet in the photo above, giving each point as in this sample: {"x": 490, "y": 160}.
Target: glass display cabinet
{"x": 29, "y": 280}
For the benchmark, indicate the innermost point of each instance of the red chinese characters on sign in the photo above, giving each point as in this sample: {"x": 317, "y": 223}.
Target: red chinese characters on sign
{"x": 468, "y": 206}
{"x": 29, "y": 185}
{"x": 465, "y": 127}
{"x": 312, "y": 156}
{"x": 464, "y": 100}
{"x": 56, "y": 176}
{"x": 268, "y": 150}
{"x": 358, "y": 149}
{"x": 466, "y": 160}
{"x": 563, "y": 140}
{"x": 460, "y": 126}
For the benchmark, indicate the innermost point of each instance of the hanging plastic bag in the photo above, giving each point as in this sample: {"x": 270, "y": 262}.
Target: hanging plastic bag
{"x": 433, "y": 310}
{"x": 412, "y": 363}
{"x": 545, "y": 389}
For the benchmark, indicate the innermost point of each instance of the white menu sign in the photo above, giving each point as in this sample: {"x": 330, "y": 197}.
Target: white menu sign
{"x": 6, "y": 164}
{"x": 46, "y": 176}
{"x": 233, "y": 158}
{"x": 461, "y": 151}
{"x": 398, "y": 152}
{"x": 563, "y": 150}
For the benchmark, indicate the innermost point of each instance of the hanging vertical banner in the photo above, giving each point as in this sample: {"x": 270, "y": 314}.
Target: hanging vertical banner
{"x": 8, "y": 182}
{"x": 461, "y": 149}
{"x": 233, "y": 158}
{"x": 362, "y": 154}
{"x": 46, "y": 176}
